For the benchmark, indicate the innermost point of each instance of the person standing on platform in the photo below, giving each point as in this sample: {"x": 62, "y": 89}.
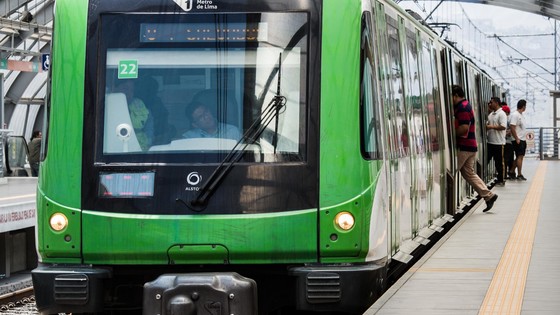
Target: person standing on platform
{"x": 518, "y": 131}
{"x": 467, "y": 146}
{"x": 508, "y": 148}
{"x": 34, "y": 152}
{"x": 496, "y": 132}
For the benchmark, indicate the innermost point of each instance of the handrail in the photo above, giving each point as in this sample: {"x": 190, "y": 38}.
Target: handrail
{"x": 545, "y": 142}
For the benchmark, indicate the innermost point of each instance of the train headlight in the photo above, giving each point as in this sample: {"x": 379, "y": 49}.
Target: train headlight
{"x": 344, "y": 220}
{"x": 58, "y": 221}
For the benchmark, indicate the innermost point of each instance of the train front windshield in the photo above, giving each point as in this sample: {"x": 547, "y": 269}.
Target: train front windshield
{"x": 183, "y": 88}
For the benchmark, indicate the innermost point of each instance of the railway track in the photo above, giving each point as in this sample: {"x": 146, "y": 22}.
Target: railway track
{"x": 18, "y": 302}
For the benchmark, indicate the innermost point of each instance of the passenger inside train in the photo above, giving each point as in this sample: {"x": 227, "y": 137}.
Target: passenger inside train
{"x": 205, "y": 124}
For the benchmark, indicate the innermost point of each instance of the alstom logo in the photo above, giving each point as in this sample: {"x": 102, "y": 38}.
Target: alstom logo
{"x": 194, "y": 178}
{"x": 186, "y": 5}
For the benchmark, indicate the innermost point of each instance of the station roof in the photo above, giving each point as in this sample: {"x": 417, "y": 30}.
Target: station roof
{"x": 25, "y": 34}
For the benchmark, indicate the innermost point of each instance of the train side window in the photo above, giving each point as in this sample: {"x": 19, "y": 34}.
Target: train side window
{"x": 398, "y": 122}
{"x": 385, "y": 79}
{"x": 414, "y": 96}
{"x": 368, "y": 93}
{"x": 459, "y": 72}
{"x": 430, "y": 94}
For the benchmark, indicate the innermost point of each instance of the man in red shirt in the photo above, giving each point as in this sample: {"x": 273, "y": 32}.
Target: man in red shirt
{"x": 466, "y": 142}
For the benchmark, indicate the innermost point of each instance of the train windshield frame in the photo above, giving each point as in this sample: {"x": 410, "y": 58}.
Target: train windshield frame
{"x": 176, "y": 88}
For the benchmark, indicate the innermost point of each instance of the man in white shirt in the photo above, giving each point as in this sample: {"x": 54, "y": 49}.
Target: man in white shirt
{"x": 518, "y": 132}
{"x": 508, "y": 148}
{"x": 496, "y": 131}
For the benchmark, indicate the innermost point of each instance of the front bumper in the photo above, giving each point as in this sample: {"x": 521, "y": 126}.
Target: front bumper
{"x": 345, "y": 288}
{"x": 338, "y": 287}
{"x": 68, "y": 289}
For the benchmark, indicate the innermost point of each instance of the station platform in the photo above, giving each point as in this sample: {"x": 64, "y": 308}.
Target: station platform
{"x": 17, "y": 232}
{"x": 17, "y": 203}
{"x": 504, "y": 261}
{"x": 17, "y": 189}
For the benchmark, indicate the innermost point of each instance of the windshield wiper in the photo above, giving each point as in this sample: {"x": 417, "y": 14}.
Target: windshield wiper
{"x": 253, "y": 133}
{"x": 272, "y": 111}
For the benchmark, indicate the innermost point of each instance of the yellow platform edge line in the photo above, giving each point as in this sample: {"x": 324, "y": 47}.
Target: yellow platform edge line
{"x": 507, "y": 288}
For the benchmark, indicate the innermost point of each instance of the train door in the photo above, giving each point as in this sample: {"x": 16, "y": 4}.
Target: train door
{"x": 417, "y": 138}
{"x": 391, "y": 148}
{"x": 478, "y": 103}
{"x": 400, "y": 165}
{"x": 396, "y": 131}
{"x": 462, "y": 189}
{"x": 373, "y": 132}
{"x": 433, "y": 130}
{"x": 484, "y": 98}
{"x": 483, "y": 116}
{"x": 447, "y": 110}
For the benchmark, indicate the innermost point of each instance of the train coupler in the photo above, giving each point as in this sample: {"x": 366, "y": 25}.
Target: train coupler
{"x": 200, "y": 293}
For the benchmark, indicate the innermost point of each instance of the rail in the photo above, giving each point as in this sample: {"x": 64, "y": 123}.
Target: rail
{"x": 18, "y": 302}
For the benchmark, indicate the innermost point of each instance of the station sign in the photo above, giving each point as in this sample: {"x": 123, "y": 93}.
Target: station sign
{"x": 17, "y": 216}
{"x": 20, "y": 65}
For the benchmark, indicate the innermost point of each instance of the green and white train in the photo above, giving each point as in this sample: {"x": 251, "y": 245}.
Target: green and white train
{"x": 341, "y": 164}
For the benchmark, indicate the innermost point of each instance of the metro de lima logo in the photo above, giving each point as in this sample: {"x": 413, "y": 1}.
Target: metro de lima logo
{"x": 186, "y": 5}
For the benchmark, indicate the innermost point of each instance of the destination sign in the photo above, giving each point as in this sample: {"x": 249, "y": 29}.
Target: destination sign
{"x": 126, "y": 185}
{"x": 202, "y": 32}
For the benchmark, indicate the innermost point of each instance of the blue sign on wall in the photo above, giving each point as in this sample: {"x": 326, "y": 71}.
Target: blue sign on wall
{"x": 45, "y": 61}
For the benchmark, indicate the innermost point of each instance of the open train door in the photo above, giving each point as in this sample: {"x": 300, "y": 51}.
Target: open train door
{"x": 449, "y": 158}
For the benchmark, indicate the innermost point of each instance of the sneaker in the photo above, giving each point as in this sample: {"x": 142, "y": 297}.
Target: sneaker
{"x": 521, "y": 177}
{"x": 511, "y": 176}
{"x": 501, "y": 184}
{"x": 490, "y": 202}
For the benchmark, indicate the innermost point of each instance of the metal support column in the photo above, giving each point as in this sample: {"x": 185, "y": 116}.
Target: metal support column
{"x": 1, "y": 156}
{"x": 555, "y": 120}
{"x": 555, "y": 111}
{"x": 5, "y": 255}
{"x": 3, "y": 135}
{"x": 3, "y": 132}
{"x": 2, "y": 124}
